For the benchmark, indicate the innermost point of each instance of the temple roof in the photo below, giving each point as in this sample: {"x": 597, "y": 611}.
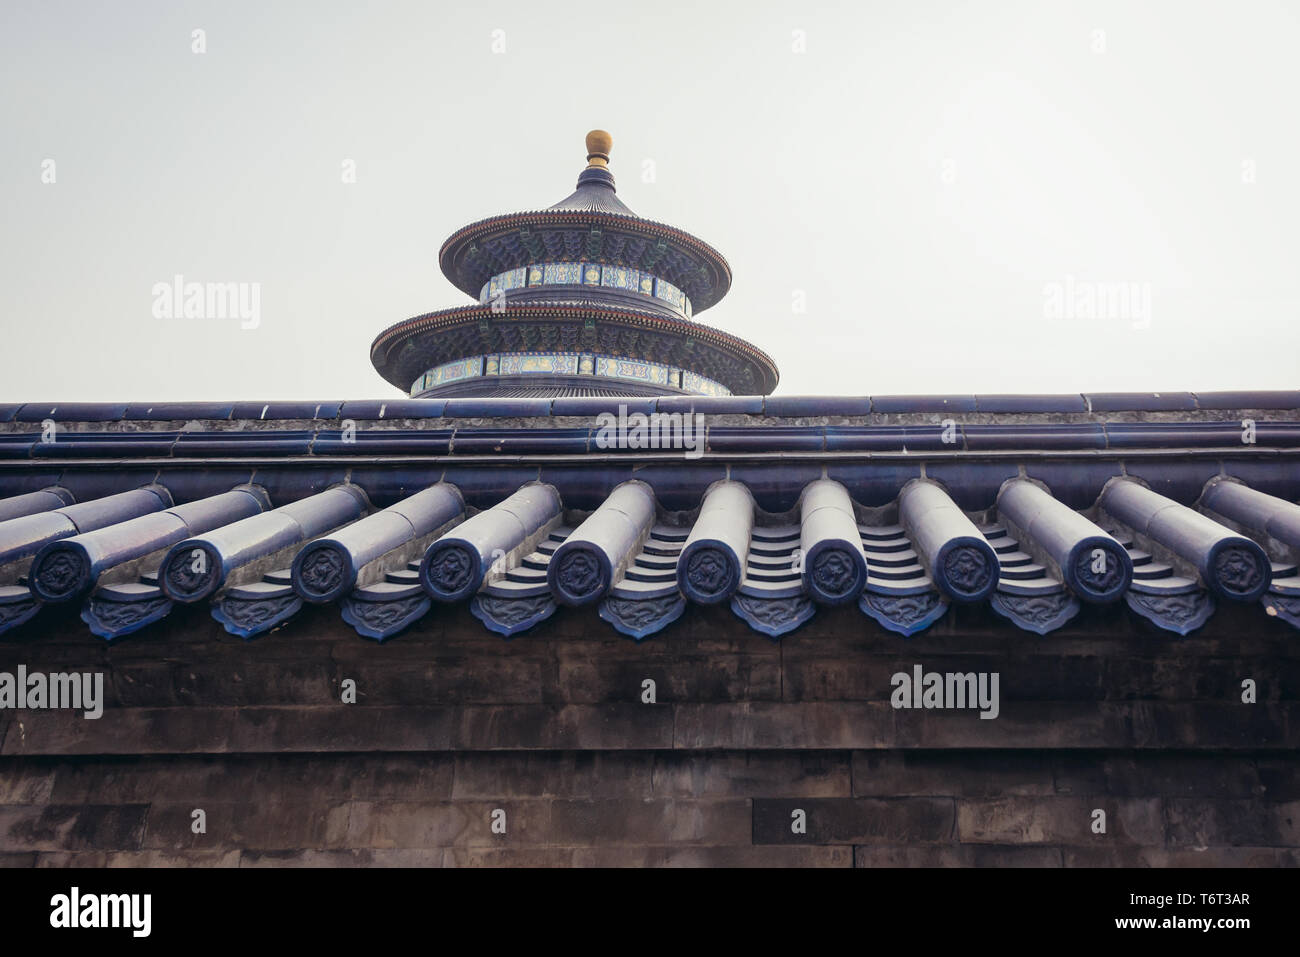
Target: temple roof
{"x": 593, "y": 225}
{"x": 1040, "y": 508}
{"x": 595, "y": 194}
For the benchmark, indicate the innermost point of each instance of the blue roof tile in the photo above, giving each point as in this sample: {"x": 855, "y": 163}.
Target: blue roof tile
{"x": 874, "y": 483}
{"x": 266, "y": 411}
{"x": 712, "y": 404}
{"x": 382, "y": 441}
{"x": 765, "y": 439}
{"x": 71, "y": 412}
{"x": 520, "y": 441}
{"x": 1024, "y": 404}
{"x": 594, "y": 405}
{"x": 1034, "y": 436}
{"x": 802, "y": 406}
{"x": 393, "y": 409}
{"x": 886, "y": 404}
{"x": 1248, "y": 400}
{"x": 106, "y": 444}
{"x": 243, "y": 443}
{"x": 1141, "y": 401}
{"x": 890, "y": 438}
{"x": 496, "y": 408}
{"x": 177, "y": 411}
{"x": 972, "y": 485}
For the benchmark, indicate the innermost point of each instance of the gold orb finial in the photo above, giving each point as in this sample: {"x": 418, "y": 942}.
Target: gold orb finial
{"x": 598, "y": 146}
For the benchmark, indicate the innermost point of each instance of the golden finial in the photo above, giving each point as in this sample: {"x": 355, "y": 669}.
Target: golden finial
{"x": 598, "y": 146}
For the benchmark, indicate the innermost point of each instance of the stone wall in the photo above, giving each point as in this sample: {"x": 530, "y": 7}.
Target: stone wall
{"x": 451, "y": 724}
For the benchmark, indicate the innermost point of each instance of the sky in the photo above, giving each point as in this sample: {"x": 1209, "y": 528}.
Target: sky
{"x": 914, "y": 197}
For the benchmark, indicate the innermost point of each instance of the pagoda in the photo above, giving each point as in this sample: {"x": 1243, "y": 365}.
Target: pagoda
{"x": 583, "y": 298}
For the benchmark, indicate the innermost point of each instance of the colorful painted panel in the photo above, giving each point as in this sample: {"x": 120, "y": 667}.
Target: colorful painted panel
{"x": 452, "y": 371}
{"x": 491, "y": 365}
{"x": 455, "y": 371}
{"x": 693, "y": 382}
{"x": 514, "y": 279}
{"x": 525, "y": 363}
{"x": 620, "y": 277}
{"x": 632, "y": 369}
{"x": 588, "y": 274}
{"x": 561, "y": 274}
{"x": 670, "y": 293}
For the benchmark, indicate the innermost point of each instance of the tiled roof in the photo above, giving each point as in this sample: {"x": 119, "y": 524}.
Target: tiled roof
{"x": 1035, "y": 505}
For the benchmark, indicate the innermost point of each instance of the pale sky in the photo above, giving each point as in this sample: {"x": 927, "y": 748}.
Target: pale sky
{"x": 931, "y": 179}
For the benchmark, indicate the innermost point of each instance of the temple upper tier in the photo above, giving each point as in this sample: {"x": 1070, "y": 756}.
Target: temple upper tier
{"x": 581, "y": 298}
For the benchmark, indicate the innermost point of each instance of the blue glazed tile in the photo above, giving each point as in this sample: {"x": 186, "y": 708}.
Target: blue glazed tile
{"x": 873, "y": 484}
{"x": 776, "y": 487}
{"x": 388, "y": 485}
{"x": 484, "y": 487}
{"x": 1173, "y": 435}
{"x": 71, "y": 411}
{"x": 468, "y": 408}
{"x": 265, "y": 411}
{"x": 1030, "y": 403}
{"x": 766, "y": 439}
{"x": 1266, "y": 477}
{"x": 1274, "y": 434}
{"x": 585, "y": 488}
{"x": 177, "y": 411}
{"x": 18, "y": 445}
{"x": 889, "y": 438}
{"x": 324, "y": 410}
{"x": 595, "y": 405}
{"x": 90, "y": 484}
{"x": 1035, "y": 436}
{"x": 383, "y": 441}
{"x": 191, "y": 484}
{"x": 7, "y": 412}
{"x": 712, "y": 404}
{"x": 1074, "y": 483}
{"x": 1180, "y": 481}
{"x": 1247, "y": 400}
{"x": 292, "y": 483}
{"x": 1141, "y": 401}
{"x": 972, "y": 485}
{"x": 392, "y": 409}
{"x": 20, "y": 483}
{"x": 520, "y": 441}
{"x": 898, "y": 404}
{"x": 681, "y": 485}
{"x": 243, "y": 443}
{"x": 112, "y": 444}
{"x": 798, "y": 406}
{"x": 34, "y": 411}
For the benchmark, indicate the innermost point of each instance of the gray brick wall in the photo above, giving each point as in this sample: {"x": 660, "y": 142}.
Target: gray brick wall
{"x": 452, "y": 724}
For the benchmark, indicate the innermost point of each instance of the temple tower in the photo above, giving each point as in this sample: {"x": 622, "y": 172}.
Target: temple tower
{"x": 581, "y": 298}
